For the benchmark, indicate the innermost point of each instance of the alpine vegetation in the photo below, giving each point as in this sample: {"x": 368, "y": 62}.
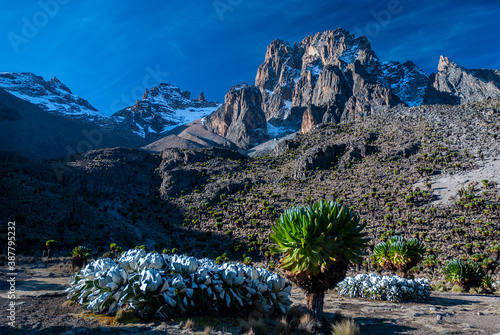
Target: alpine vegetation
{"x": 398, "y": 254}
{"x": 163, "y": 286}
{"x": 465, "y": 274}
{"x": 319, "y": 241}
{"x": 390, "y": 288}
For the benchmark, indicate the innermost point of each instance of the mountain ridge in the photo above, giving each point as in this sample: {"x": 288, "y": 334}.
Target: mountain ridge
{"x": 329, "y": 77}
{"x": 52, "y": 95}
{"x": 52, "y": 104}
{"x": 333, "y": 76}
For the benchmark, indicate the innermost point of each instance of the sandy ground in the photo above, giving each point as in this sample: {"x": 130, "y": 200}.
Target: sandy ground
{"x": 445, "y": 187}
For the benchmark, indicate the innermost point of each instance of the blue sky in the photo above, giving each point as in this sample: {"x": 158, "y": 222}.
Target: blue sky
{"x": 109, "y": 51}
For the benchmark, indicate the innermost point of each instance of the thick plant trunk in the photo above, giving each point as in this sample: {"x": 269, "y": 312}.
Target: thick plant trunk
{"x": 315, "y": 302}
{"x": 78, "y": 263}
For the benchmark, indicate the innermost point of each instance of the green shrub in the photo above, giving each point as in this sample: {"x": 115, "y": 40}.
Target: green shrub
{"x": 80, "y": 252}
{"x": 465, "y": 274}
{"x": 51, "y": 243}
{"x": 398, "y": 254}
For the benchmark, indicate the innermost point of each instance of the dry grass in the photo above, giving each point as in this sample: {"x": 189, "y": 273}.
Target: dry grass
{"x": 208, "y": 330}
{"x": 308, "y": 325}
{"x": 252, "y": 326}
{"x": 189, "y": 324}
{"x": 125, "y": 315}
{"x": 293, "y": 316}
{"x": 346, "y": 327}
{"x": 336, "y": 318}
{"x": 282, "y": 327}
{"x": 62, "y": 268}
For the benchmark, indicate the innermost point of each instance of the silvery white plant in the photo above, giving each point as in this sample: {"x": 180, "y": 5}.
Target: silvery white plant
{"x": 170, "y": 285}
{"x": 151, "y": 261}
{"x": 496, "y": 285}
{"x": 390, "y": 288}
{"x": 97, "y": 283}
{"x": 129, "y": 260}
{"x": 183, "y": 264}
{"x": 98, "y": 266}
{"x": 151, "y": 281}
{"x": 112, "y": 279}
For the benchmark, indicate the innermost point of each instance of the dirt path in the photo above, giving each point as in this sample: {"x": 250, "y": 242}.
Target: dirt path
{"x": 444, "y": 313}
{"x": 40, "y": 310}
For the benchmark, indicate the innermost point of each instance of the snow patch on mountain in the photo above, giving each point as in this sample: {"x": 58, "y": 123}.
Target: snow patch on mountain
{"x": 349, "y": 56}
{"x": 160, "y": 110}
{"x": 278, "y": 131}
{"x": 406, "y": 80}
{"x": 315, "y": 70}
{"x": 52, "y": 96}
{"x": 139, "y": 130}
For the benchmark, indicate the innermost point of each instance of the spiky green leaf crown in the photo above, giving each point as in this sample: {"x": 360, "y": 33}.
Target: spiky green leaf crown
{"x": 398, "y": 251}
{"x": 313, "y": 236}
{"x": 459, "y": 271}
{"x": 80, "y": 251}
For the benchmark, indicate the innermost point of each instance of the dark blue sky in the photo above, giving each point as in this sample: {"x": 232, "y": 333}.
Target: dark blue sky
{"x": 109, "y": 51}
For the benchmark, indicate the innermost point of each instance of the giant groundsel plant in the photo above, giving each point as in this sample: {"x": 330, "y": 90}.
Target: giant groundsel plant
{"x": 319, "y": 242}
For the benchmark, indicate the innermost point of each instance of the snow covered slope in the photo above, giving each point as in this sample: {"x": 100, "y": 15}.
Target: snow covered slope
{"x": 52, "y": 96}
{"x": 44, "y": 119}
{"x": 160, "y": 110}
{"x": 407, "y": 81}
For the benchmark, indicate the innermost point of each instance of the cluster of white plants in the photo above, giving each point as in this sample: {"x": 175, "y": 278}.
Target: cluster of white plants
{"x": 496, "y": 285}
{"x": 161, "y": 286}
{"x": 390, "y": 288}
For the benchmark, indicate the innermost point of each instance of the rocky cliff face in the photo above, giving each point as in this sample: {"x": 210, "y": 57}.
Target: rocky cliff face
{"x": 332, "y": 76}
{"x": 454, "y": 84}
{"x": 161, "y": 109}
{"x": 407, "y": 81}
{"x": 240, "y": 119}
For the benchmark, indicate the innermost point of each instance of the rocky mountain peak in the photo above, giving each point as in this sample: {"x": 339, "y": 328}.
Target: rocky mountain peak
{"x": 240, "y": 119}
{"x": 329, "y": 77}
{"x": 52, "y": 96}
{"x": 337, "y": 45}
{"x": 407, "y": 80}
{"x": 446, "y": 64}
{"x": 201, "y": 97}
{"x": 145, "y": 95}
{"x": 58, "y": 84}
{"x": 161, "y": 109}
{"x": 454, "y": 84}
